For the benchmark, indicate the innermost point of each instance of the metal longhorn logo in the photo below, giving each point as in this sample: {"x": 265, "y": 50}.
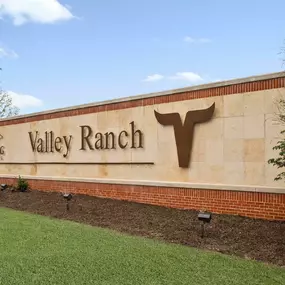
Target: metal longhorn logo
{"x": 184, "y": 133}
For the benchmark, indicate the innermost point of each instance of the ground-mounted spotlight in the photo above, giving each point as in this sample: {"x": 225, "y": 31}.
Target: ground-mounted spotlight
{"x": 67, "y": 197}
{"x": 3, "y": 187}
{"x": 204, "y": 217}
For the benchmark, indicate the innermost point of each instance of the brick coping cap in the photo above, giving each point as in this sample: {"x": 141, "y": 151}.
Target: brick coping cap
{"x": 157, "y": 94}
{"x": 205, "y": 186}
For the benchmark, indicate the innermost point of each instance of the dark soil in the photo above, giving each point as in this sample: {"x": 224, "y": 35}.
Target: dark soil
{"x": 249, "y": 238}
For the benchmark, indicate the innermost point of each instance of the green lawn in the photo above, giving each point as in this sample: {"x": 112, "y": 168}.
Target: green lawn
{"x": 39, "y": 250}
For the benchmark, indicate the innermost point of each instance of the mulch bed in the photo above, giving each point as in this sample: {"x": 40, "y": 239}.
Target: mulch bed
{"x": 249, "y": 238}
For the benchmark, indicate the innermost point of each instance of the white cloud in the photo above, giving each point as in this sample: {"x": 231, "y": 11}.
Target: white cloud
{"x": 38, "y": 11}
{"x": 196, "y": 41}
{"x": 187, "y": 76}
{"x": 6, "y": 52}
{"x": 23, "y": 101}
{"x": 154, "y": 77}
{"x": 216, "y": 80}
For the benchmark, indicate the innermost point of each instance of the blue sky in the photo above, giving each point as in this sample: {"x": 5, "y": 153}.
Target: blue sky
{"x": 68, "y": 52}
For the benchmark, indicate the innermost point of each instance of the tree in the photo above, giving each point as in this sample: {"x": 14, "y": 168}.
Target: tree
{"x": 282, "y": 52}
{"x": 279, "y": 162}
{"x": 7, "y": 109}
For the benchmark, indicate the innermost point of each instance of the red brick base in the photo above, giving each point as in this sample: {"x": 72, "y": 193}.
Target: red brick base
{"x": 251, "y": 204}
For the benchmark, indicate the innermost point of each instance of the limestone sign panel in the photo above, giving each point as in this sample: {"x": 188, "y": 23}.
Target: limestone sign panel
{"x": 47, "y": 140}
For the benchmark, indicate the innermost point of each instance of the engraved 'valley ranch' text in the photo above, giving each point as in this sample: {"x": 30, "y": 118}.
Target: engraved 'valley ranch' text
{"x": 48, "y": 142}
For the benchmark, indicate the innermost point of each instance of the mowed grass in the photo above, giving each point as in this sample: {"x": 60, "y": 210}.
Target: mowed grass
{"x": 39, "y": 250}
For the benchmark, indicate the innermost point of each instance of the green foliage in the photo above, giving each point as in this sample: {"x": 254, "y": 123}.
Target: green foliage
{"x": 22, "y": 184}
{"x": 280, "y": 161}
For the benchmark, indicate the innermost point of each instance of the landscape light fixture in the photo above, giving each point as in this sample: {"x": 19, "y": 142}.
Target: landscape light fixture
{"x": 3, "y": 187}
{"x": 204, "y": 217}
{"x": 67, "y": 197}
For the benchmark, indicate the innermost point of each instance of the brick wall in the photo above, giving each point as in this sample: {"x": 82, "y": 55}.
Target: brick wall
{"x": 269, "y": 206}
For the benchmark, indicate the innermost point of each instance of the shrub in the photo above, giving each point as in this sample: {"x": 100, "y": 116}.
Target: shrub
{"x": 22, "y": 184}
